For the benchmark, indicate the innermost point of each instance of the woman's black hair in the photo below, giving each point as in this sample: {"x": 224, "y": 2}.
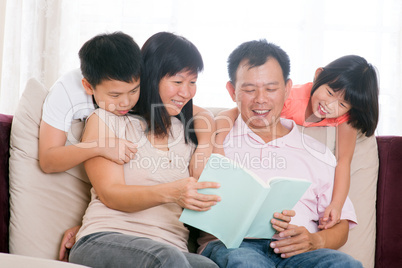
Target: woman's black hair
{"x": 166, "y": 54}
{"x": 357, "y": 79}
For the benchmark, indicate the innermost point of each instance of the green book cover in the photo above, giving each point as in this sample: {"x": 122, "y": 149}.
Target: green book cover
{"x": 247, "y": 205}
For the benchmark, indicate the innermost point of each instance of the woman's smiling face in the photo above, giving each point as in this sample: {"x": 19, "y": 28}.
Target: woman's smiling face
{"x": 175, "y": 91}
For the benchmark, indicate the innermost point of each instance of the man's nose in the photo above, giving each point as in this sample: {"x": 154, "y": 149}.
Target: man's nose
{"x": 260, "y": 96}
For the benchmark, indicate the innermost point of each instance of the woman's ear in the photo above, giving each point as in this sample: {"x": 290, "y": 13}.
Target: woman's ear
{"x": 317, "y": 72}
{"x": 87, "y": 86}
{"x": 231, "y": 89}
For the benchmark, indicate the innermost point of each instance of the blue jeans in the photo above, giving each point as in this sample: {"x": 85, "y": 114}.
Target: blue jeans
{"x": 109, "y": 249}
{"x": 257, "y": 253}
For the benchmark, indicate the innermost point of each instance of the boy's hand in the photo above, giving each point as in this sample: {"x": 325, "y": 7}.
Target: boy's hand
{"x": 332, "y": 216}
{"x": 67, "y": 243}
{"x": 280, "y": 222}
{"x": 117, "y": 150}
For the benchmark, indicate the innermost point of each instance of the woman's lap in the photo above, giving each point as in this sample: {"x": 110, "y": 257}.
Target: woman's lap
{"x": 108, "y": 249}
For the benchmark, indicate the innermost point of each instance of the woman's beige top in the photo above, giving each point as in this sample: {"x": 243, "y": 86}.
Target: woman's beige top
{"x": 150, "y": 166}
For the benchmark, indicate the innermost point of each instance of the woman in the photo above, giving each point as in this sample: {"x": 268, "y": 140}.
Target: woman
{"x": 133, "y": 218}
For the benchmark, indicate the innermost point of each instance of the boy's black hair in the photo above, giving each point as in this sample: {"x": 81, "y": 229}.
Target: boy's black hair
{"x": 257, "y": 53}
{"x": 357, "y": 79}
{"x": 166, "y": 54}
{"x": 114, "y": 56}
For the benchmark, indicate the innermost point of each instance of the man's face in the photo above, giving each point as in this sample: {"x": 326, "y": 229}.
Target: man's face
{"x": 260, "y": 93}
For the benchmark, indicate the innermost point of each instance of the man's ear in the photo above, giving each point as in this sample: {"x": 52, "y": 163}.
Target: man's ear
{"x": 87, "y": 86}
{"x": 232, "y": 91}
{"x": 317, "y": 72}
{"x": 288, "y": 87}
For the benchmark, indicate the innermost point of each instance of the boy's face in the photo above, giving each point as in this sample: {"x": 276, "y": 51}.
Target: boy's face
{"x": 115, "y": 96}
{"x": 260, "y": 93}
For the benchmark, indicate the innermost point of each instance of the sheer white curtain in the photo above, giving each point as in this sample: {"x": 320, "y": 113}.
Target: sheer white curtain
{"x": 38, "y": 37}
{"x": 42, "y": 39}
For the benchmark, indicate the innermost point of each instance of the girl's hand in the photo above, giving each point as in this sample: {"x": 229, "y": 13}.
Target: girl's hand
{"x": 280, "y": 222}
{"x": 332, "y": 216}
{"x": 117, "y": 150}
{"x": 186, "y": 194}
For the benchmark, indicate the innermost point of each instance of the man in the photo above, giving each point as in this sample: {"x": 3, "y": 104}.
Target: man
{"x": 259, "y": 84}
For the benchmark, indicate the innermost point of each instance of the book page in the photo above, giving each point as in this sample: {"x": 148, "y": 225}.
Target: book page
{"x": 241, "y": 196}
{"x": 283, "y": 195}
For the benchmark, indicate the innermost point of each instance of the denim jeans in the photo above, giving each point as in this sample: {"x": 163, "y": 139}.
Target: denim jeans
{"x": 257, "y": 253}
{"x": 109, "y": 249}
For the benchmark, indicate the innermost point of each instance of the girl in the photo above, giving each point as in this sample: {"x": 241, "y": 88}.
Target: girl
{"x": 344, "y": 94}
{"x": 133, "y": 218}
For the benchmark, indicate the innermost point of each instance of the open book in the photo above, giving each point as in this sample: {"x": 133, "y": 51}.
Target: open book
{"x": 247, "y": 204}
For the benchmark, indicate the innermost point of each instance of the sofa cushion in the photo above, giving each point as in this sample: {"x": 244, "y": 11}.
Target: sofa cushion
{"x": 5, "y": 127}
{"x": 389, "y": 205}
{"x": 363, "y": 193}
{"x": 42, "y": 206}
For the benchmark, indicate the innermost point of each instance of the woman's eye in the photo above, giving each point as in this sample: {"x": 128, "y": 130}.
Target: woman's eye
{"x": 329, "y": 92}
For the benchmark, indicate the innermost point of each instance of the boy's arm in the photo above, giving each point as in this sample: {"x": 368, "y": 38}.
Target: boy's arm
{"x": 54, "y": 156}
{"x": 204, "y": 126}
{"x": 346, "y": 142}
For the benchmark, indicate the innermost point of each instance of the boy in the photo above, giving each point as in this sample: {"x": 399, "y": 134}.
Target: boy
{"x": 109, "y": 78}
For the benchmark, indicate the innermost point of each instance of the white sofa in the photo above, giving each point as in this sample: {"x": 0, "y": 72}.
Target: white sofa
{"x": 43, "y": 206}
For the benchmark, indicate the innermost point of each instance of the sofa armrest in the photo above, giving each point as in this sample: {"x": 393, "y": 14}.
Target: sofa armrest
{"x": 5, "y": 127}
{"x": 389, "y": 202}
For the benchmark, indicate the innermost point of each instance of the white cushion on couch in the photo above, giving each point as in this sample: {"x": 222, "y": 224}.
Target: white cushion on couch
{"x": 42, "y": 206}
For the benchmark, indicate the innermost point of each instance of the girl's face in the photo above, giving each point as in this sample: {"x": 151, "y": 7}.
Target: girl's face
{"x": 115, "y": 96}
{"x": 175, "y": 91}
{"x": 326, "y": 103}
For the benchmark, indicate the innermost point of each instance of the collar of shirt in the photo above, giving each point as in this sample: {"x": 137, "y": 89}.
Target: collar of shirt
{"x": 292, "y": 139}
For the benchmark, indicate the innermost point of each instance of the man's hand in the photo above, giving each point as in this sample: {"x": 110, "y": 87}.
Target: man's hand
{"x": 280, "y": 222}
{"x": 296, "y": 240}
{"x": 67, "y": 243}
